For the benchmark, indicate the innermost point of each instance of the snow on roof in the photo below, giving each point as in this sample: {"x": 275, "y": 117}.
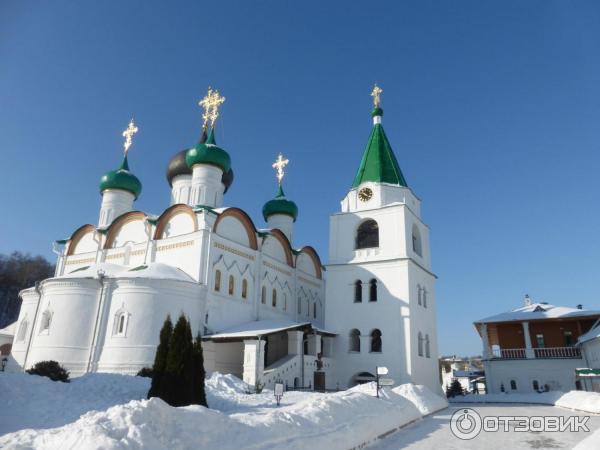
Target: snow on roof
{"x": 9, "y": 330}
{"x": 593, "y": 333}
{"x": 256, "y": 329}
{"x": 153, "y": 270}
{"x": 539, "y": 311}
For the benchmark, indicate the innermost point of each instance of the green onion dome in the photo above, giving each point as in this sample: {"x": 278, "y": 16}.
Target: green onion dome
{"x": 208, "y": 153}
{"x": 121, "y": 179}
{"x": 280, "y": 205}
{"x": 377, "y": 111}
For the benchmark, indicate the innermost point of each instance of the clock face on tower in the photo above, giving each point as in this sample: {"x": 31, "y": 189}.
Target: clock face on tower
{"x": 365, "y": 194}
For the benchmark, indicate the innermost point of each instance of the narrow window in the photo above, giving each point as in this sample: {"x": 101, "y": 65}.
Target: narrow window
{"x": 376, "y": 341}
{"x": 427, "y": 354}
{"x": 307, "y": 308}
{"x": 244, "y": 288}
{"x": 568, "y": 338}
{"x": 357, "y": 291}
{"x": 420, "y": 339}
{"x": 513, "y": 385}
{"x": 540, "y": 340}
{"x": 285, "y": 301}
{"x": 274, "y": 298}
{"x": 536, "y": 385}
{"x": 121, "y": 328}
{"x": 299, "y": 306}
{"x": 22, "y": 330}
{"x": 502, "y": 387}
{"x": 314, "y": 310}
{"x": 231, "y": 285}
{"x": 367, "y": 234}
{"x": 217, "y": 281}
{"x": 416, "y": 240}
{"x": 45, "y": 322}
{"x": 373, "y": 290}
{"x": 424, "y": 298}
{"x": 354, "y": 340}
{"x": 263, "y": 295}
{"x": 419, "y": 294}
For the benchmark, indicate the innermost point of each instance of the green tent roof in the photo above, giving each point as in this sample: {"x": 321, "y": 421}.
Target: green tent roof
{"x": 379, "y": 163}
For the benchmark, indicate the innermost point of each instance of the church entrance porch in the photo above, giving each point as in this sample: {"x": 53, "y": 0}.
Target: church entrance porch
{"x": 264, "y": 352}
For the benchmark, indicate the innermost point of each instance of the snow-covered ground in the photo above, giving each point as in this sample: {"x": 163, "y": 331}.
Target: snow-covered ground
{"x": 41, "y": 414}
{"x": 433, "y": 432}
{"x": 577, "y": 400}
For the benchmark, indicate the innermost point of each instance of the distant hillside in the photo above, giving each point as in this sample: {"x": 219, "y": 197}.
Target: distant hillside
{"x": 19, "y": 271}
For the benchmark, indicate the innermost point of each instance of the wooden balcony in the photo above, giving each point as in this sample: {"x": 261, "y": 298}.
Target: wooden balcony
{"x": 537, "y": 353}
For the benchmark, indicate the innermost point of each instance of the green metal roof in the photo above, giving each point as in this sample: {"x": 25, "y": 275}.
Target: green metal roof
{"x": 280, "y": 205}
{"x": 208, "y": 153}
{"x": 379, "y": 163}
{"x": 122, "y": 179}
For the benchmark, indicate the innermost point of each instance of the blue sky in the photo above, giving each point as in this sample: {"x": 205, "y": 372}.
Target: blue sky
{"x": 492, "y": 108}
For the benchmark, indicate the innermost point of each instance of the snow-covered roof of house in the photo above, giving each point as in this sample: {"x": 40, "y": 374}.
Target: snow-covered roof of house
{"x": 9, "y": 330}
{"x": 593, "y": 333}
{"x": 256, "y": 329}
{"x": 539, "y": 311}
{"x": 153, "y": 270}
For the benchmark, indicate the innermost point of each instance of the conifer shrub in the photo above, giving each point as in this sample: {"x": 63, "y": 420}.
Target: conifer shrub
{"x": 50, "y": 369}
{"x": 178, "y": 372}
{"x": 454, "y": 389}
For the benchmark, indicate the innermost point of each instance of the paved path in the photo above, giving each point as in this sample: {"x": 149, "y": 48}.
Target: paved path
{"x": 433, "y": 432}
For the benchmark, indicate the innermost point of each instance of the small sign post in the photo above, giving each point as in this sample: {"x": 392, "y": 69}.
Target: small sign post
{"x": 278, "y": 392}
{"x": 381, "y": 371}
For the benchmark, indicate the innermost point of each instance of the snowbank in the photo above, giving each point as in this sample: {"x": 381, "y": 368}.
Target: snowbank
{"x": 340, "y": 420}
{"x": 31, "y": 401}
{"x": 578, "y": 400}
{"x": 590, "y": 442}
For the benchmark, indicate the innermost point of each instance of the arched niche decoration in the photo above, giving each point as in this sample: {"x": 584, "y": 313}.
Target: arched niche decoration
{"x": 77, "y": 236}
{"x": 245, "y": 221}
{"x": 118, "y": 223}
{"x": 314, "y": 256}
{"x": 285, "y": 243}
{"x": 171, "y": 212}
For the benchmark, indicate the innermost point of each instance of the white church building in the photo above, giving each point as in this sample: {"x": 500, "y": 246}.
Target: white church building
{"x": 266, "y": 307}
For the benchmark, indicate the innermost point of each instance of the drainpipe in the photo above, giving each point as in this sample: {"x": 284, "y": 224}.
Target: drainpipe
{"x": 33, "y": 323}
{"x": 101, "y": 277}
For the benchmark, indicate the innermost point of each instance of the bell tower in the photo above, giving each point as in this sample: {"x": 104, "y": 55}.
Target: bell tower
{"x": 380, "y": 287}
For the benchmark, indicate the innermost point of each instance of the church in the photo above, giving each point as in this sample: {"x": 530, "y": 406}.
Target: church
{"x": 267, "y": 307}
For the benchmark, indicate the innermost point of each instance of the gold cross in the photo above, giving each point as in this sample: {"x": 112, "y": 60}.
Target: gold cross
{"x": 211, "y": 103}
{"x": 376, "y": 94}
{"x": 279, "y": 164}
{"x": 128, "y": 135}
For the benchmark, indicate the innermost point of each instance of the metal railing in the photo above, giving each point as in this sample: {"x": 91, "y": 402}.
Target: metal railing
{"x": 509, "y": 353}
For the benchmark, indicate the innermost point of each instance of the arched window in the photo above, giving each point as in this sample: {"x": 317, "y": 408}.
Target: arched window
{"x": 424, "y": 298}
{"x": 536, "y": 385}
{"x": 416, "y": 240}
{"x": 274, "y": 298}
{"x": 420, "y": 339}
{"x": 244, "y": 288}
{"x": 419, "y": 294}
{"x": 285, "y": 301}
{"x": 373, "y": 290}
{"x": 513, "y": 385}
{"x": 357, "y": 291}
{"x": 314, "y": 310}
{"x": 263, "y": 295}
{"x": 217, "y": 281}
{"x": 231, "y": 285}
{"x": 307, "y": 308}
{"x": 299, "y": 306}
{"x": 427, "y": 354}
{"x": 22, "y": 330}
{"x": 354, "y": 340}
{"x": 45, "y": 322}
{"x": 120, "y": 323}
{"x": 375, "y": 341}
{"x": 367, "y": 235}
